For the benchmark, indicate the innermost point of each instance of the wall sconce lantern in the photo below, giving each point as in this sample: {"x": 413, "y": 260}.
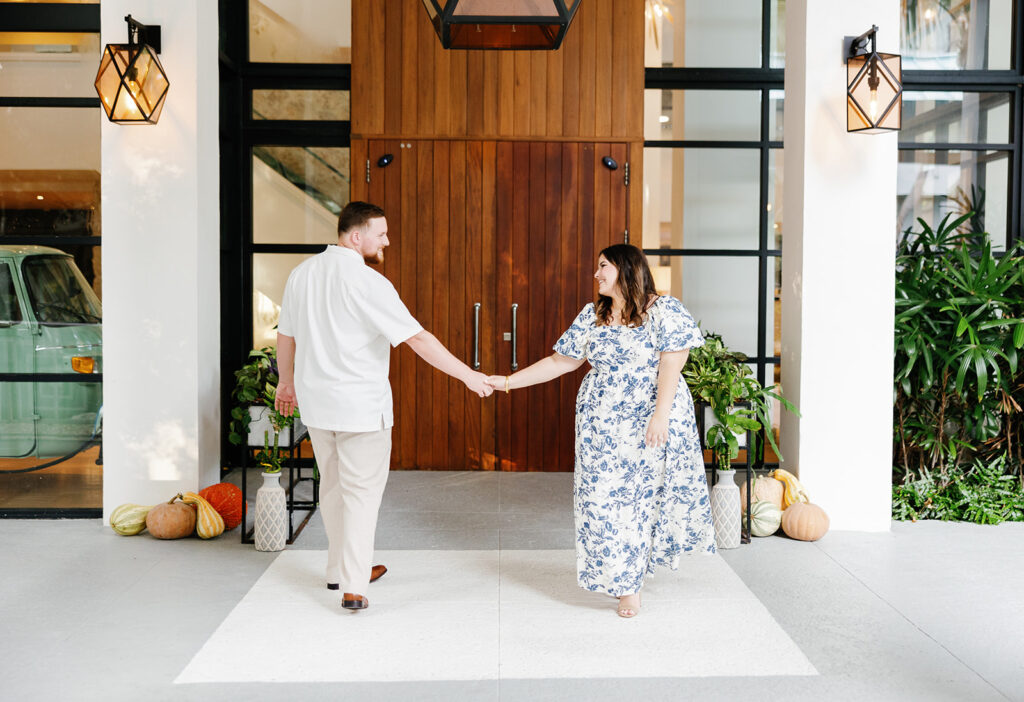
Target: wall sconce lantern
{"x": 131, "y": 83}
{"x": 874, "y": 87}
{"x": 501, "y": 24}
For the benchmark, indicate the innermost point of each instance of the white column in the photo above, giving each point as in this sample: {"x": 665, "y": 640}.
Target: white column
{"x": 161, "y": 291}
{"x": 838, "y": 273}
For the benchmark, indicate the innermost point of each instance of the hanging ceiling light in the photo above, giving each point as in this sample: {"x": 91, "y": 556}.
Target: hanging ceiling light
{"x": 501, "y": 24}
{"x": 131, "y": 83}
{"x": 874, "y": 87}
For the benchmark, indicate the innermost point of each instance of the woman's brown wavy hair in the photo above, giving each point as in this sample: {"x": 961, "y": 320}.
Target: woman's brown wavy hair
{"x": 635, "y": 283}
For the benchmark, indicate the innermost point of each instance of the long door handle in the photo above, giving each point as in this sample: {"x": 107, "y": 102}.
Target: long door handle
{"x": 515, "y": 363}
{"x": 476, "y": 336}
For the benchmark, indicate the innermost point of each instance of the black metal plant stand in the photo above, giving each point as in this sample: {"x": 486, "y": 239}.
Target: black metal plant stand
{"x": 299, "y": 470}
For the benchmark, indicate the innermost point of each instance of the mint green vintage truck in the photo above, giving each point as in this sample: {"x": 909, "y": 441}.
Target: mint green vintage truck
{"x": 49, "y": 323}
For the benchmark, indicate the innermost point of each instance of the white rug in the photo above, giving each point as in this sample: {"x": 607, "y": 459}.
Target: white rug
{"x": 484, "y": 615}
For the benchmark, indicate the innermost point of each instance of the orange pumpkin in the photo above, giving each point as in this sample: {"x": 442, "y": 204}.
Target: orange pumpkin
{"x": 765, "y": 488}
{"x": 227, "y": 500}
{"x": 804, "y": 521}
{"x": 171, "y": 520}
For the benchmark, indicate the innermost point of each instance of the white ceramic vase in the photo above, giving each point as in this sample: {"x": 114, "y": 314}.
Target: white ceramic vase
{"x": 271, "y": 515}
{"x": 725, "y": 510}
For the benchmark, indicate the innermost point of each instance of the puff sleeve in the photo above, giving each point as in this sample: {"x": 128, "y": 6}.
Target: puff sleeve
{"x": 573, "y": 343}
{"x": 675, "y": 329}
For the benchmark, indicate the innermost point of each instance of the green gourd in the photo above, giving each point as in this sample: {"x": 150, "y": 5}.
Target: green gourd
{"x": 129, "y": 519}
{"x": 765, "y": 518}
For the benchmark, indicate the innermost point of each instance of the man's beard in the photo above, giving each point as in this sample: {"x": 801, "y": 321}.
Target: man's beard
{"x": 376, "y": 259}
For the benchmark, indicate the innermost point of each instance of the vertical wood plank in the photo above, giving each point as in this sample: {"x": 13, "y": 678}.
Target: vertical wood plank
{"x": 635, "y": 207}
{"x": 390, "y": 82}
{"x": 446, "y": 202}
{"x": 552, "y": 270}
{"x": 588, "y": 255}
{"x": 555, "y": 89}
{"x": 489, "y": 104}
{"x": 459, "y": 94}
{"x": 405, "y": 404}
{"x": 587, "y": 17}
{"x": 603, "y": 67}
{"x": 473, "y": 263}
{"x": 506, "y": 93}
{"x": 534, "y": 318}
{"x": 617, "y": 223}
{"x": 634, "y": 28}
{"x": 476, "y": 100}
{"x": 427, "y": 79}
{"x": 357, "y": 170}
{"x": 571, "y": 80}
{"x": 490, "y": 334}
{"x": 409, "y": 77}
{"x": 569, "y": 299}
{"x": 504, "y": 207}
{"x": 538, "y": 82}
{"x": 461, "y": 316}
{"x": 425, "y": 292}
{"x": 521, "y": 93}
{"x": 622, "y": 100}
{"x": 521, "y": 399}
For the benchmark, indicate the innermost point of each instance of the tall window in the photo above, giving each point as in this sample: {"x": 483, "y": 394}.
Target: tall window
{"x": 51, "y": 353}
{"x": 713, "y": 165}
{"x": 284, "y": 155}
{"x": 960, "y": 145}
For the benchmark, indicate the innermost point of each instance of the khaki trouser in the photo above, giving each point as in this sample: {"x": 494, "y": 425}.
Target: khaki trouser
{"x": 353, "y": 472}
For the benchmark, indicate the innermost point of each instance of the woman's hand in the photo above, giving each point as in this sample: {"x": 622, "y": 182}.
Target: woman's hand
{"x": 497, "y": 382}
{"x": 657, "y": 430}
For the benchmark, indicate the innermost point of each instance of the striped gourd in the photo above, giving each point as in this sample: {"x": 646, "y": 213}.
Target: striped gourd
{"x": 129, "y": 519}
{"x": 794, "y": 492}
{"x": 209, "y": 523}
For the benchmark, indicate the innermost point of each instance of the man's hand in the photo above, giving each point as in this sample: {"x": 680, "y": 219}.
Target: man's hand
{"x": 657, "y": 431}
{"x": 496, "y": 381}
{"x": 477, "y": 382}
{"x": 284, "y": 399}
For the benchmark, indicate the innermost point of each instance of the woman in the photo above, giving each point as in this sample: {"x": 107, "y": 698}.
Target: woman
{"x": 641, "y": 497}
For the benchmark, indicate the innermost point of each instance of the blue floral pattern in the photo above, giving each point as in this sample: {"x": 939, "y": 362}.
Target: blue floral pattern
{"x": 636, "y": 506}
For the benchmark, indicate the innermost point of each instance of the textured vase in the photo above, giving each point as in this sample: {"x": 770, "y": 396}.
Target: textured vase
{"x": 725, "y": 510}
{"x": 271, "y": 515}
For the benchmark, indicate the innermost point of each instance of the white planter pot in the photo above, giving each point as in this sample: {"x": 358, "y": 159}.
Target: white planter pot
{"x": 725, "y": 510}
{"x": 709, "y": 421}
{"x": 259, "y": 422}
{"x": 271, "y": 515}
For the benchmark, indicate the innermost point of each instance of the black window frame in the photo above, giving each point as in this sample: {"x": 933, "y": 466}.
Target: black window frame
{"x": 239, "y": 135}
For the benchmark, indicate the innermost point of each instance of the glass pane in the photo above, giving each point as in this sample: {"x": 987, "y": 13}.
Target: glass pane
{"x": 945, "y": 35}
{"x": 269, "y": 274}
{"x": 773, "y": 312}
{"x": 701, "y": 198}
{"x": 776, "y": 113}
{"x": 931, "y": 184}
{"x": 491, "y": 8}
{"x": 955, "y": 117}
{"x": 718, "y": 34}
{"x": 49, "y": 64}
{"x": 777, "y": 50}
{"x": 298, "y": 192}
{"x": 775, "y": 183}
{"x": 732, "y": 115}
{"x": 300, "y": 31}
{"x": 719, "y": 291}
{"x": 300, "y": 104}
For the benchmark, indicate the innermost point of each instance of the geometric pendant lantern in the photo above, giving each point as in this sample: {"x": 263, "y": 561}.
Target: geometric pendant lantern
{"x": 501, "y": 24}
{"x": 131, "y": 83}
{"x": 874, "y": 88}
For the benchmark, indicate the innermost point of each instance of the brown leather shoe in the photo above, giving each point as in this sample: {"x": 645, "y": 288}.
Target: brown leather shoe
{"x": 376, "y": 573}
{"x": 355, "y": 602}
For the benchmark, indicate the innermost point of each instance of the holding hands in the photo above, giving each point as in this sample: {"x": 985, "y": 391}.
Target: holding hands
{"x": 478, "y": 383}
{"x": 497, "y": 382}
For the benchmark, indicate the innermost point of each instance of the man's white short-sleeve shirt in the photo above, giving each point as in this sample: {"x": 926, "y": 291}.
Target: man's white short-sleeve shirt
{"x": 345, "y": 317}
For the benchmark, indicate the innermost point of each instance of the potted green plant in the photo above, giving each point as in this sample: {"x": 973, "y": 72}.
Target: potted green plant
{"x": 253, "y": 413}
{"x": 721, "y": 379}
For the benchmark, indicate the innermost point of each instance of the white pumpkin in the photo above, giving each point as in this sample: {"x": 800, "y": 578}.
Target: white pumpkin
{"x": 765, "y": 518}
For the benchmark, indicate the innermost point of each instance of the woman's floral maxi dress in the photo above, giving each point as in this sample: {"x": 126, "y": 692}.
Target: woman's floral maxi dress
{"x": 636, "y": 506}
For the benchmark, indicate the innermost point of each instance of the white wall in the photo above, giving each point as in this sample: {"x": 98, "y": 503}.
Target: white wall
{"x": 838, "y": 272}
{"x": 161, "y": 233}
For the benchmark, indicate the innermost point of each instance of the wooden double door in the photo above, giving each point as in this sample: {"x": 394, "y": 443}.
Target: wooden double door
{"x": 493, "y": 250}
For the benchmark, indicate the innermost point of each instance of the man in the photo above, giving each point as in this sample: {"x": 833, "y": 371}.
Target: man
{"x": 339, "y": 318}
